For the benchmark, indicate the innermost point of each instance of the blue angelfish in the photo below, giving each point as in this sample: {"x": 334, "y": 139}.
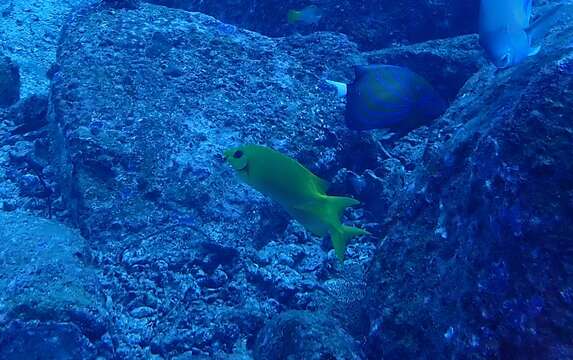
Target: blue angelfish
{"x": 389, "y": 97}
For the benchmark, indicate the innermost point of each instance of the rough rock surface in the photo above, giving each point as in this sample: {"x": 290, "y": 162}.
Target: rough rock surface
{"x": 30, "y": 30}
{"x": 28, "y": 180}
{"x": 49, "y": 300}
{"x": 120, "y": 4}
{"x": 303, "y": 335}
{"x": 477, "y": 260}
{"x": 140, "y": 119}
{"x": 9, "y": 81}
{"x": 143, "y": 118}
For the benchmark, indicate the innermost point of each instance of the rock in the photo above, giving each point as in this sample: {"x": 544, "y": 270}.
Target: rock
{"x": 304, "y": 335}
{"x": 142, "y": 312}
{"x": 158, "y": 163}
{"x": 21, "y": 151}
{"x": 30, "y": 185}
{"x": 280, "y": 281}
{"x": 9, "y": 82}
{"x": 30, "y": 37}
{"x": 371, "y": 24}
{"x": 46, "y": 340}
{"x": 30, "y": 114}
{"x": 121, "y": 4}
{"x": 46, "y": 288}
{"x": 476, "y": 258}
{"x": 27, "y": 179}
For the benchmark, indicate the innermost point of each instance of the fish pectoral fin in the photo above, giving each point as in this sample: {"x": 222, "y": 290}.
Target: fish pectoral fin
{"x": 307, "y": 206}
{"x": 534, "y": 50}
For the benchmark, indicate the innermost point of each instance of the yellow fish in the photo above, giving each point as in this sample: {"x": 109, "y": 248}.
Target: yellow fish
{"x": 298, "y": 190}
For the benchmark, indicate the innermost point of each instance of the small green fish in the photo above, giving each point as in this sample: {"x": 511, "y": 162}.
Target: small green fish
{"x": 298, "y": 190}
{"x": 307, "y": 16}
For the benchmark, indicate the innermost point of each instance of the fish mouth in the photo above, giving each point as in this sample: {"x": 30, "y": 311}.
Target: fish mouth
{"x": 244, "y": 169}
{"x": 227, "y": 154}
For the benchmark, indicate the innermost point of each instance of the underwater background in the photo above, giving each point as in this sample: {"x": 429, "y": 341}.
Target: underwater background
{"x": 126, "y": 234}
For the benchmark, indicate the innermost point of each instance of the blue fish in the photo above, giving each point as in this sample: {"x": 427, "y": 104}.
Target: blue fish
{"x": 389, "y": 97}
{"x": 307, "y": 16}
{"x": 505, "y": 32}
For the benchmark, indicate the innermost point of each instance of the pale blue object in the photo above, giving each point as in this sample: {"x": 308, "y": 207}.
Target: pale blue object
{"x": 506, "y": 33}
{"x": 341, "y": 88}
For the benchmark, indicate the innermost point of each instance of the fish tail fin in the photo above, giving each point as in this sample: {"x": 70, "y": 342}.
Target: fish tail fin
{"x": 293, "y": 16}
{"x": 341, "y": 234}
{"x": 541, "y": 26}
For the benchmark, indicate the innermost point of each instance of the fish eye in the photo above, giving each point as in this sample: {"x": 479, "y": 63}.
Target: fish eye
{"x": 238, "y": 154}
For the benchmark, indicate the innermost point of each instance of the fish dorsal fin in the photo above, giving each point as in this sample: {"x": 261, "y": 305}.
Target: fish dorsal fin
{"x": 312, "y": 7}
{"x": 542, "y": 25}
{"x": 527, "y": 9}
{"x": 361, "y": 70}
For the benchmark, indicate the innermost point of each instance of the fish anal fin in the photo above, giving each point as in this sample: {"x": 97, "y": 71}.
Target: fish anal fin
{"x": 322, "y": 216}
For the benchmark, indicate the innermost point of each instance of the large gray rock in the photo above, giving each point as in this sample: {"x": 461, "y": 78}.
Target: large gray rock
{"x": 141, "y": 118}
{"x": 49, "y": 301}
{"x": 476, "y": 260}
